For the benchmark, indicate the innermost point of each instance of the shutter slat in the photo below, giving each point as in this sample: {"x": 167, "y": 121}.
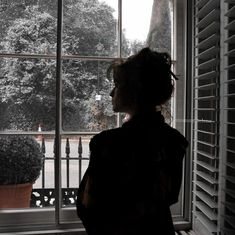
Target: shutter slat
{"x": 207, "y": 54}
{"x": 230, "y": 67}
{"x": 230, "y": 95}
{"x": 208, "y": 64}
{"x": 230, "y": 12}
{"x": 229, "y": 1}
{"x": 231, "y": 53}
{"x": 230, "y": 220}
{"x": 231, "y": 151}
{"x": 206, "y": 86}
{"x": 209, "y": 30}
{"x": 230, "y": 39}
{"x": 201, "y": 3}
{"x": 206, "y": 222}
{"x": 209, "y": 6}
{"x": 207, "y": 121}
{"x": 230, "y": 178}
{"x": 206, "y": 144}
{"x": 231, "y": 165}
{"x": 230, "y": 206}
{"x": 207, "y": 166}
{"x": 206, "y": 177}
{"x": 206, "y": 97}
{"x": 206, "y": 211}
{"x": 208, "y": 42}
{"x": 230, "y": 81}
{"x": 205, "y": 109}
{"x": 230, "y": 26}
{"x": 230, "y": 137}
{"x": 206, "y": 188}
{"x": 206, "y": 155}
{"x": 228, "y": 231}
{"x": 230, "y": 192}
{"x": 207, "y": 75}
{"x": 205, "y": 132}
{"x": 212, "y": 16}
{"x": 206, "y": 199}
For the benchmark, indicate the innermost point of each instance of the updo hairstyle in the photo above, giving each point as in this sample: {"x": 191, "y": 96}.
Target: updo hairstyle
{"x": 146, "y": 76}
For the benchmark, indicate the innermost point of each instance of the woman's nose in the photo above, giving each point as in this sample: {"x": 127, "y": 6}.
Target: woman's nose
{"x": 112, "y": 92}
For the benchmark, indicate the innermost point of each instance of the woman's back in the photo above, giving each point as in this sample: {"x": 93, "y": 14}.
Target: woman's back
{"x": 128, "y": 166}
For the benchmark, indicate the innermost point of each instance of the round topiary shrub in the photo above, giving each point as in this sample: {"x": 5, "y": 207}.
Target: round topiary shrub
{"x": 20, "y": 160}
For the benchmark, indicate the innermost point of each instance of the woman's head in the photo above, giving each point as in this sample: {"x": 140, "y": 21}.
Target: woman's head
{"x": 143, "y": 81}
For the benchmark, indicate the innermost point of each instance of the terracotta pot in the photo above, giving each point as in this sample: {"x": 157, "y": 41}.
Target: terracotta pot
{"x": 15, "y": 196}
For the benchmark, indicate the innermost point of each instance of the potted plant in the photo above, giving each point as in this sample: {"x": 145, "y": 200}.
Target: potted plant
{"x": 20, "y": 165}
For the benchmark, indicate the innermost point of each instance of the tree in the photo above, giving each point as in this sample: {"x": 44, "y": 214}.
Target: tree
{"x": 89, "y": 29}
{"x": 28, "y": 86}
{"x": 88, "y": 26}
{"x": 11, "y": 10}
{"x": 159, "y": 36}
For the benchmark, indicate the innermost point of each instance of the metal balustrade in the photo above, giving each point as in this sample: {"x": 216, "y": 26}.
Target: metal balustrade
{"x": 45, "y": 196}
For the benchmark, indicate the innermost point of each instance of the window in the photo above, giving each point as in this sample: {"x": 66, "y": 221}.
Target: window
{"x": 54, "y": 55}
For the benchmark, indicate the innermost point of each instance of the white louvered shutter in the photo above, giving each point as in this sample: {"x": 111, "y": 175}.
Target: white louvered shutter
{"x": 228, "y": 109}
{"x": 214, "y": 117}
{"x": 206, "y": 116}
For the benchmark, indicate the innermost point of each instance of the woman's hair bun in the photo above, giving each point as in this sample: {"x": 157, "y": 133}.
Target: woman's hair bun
{"x": 147, "y": 75}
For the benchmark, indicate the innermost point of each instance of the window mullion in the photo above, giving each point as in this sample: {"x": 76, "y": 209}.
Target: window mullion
{"x": 58, "y": 113}
{"x": 119, "y": 28}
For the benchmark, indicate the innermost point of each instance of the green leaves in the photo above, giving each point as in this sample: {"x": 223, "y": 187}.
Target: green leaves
{"x": 20, "y": 160}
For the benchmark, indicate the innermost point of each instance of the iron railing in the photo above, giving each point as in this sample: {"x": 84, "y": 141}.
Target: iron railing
{"x": 44, "y": 196}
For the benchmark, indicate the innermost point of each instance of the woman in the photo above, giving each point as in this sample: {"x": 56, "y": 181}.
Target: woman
{"x": 135, "y": 171}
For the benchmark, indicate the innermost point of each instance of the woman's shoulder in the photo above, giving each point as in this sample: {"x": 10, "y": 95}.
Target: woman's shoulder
{"x": 174, "y": 138}
{"x": 173, "y": 133}
{"x": 107, "y": 136}
{"x": 108, "y": 133}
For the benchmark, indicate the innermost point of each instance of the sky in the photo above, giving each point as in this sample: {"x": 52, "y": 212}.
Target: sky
{"x": 136, "y": 17}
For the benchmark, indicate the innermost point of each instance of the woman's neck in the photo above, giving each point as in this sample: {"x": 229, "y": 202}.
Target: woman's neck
{"x": 140, "y": 112}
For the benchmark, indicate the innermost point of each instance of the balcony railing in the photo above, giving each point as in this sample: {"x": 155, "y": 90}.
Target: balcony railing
{"x": 72, "y": 156}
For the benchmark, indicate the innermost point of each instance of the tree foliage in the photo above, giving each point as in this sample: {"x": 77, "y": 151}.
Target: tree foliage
{"x": 28, "y": 85}
{"x": 159, "y": 36}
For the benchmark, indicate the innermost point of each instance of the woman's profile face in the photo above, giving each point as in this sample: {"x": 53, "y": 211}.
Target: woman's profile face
{"x": 120, "y": 98}
{"x": 117, "y": 99}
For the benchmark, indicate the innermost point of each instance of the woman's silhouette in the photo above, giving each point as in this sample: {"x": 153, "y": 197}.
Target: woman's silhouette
{"x": 135, "y": 171}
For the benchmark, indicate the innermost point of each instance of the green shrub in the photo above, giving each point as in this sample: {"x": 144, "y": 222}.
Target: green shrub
{"x": 20, "y": 160}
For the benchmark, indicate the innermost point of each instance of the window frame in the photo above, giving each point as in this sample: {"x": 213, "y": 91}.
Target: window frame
{"x": 58, "y": 219}
{"x": 183, "y": 114}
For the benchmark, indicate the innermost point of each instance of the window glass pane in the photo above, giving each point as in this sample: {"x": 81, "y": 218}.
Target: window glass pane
{"x": 148, "y": 23}
{"x": 86, "y": 101}
{"x": 27, "y": 104}
{"x": 27, "y": 94}
{"x": 90, "y": 28}
{"x": 28, "y": 26}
